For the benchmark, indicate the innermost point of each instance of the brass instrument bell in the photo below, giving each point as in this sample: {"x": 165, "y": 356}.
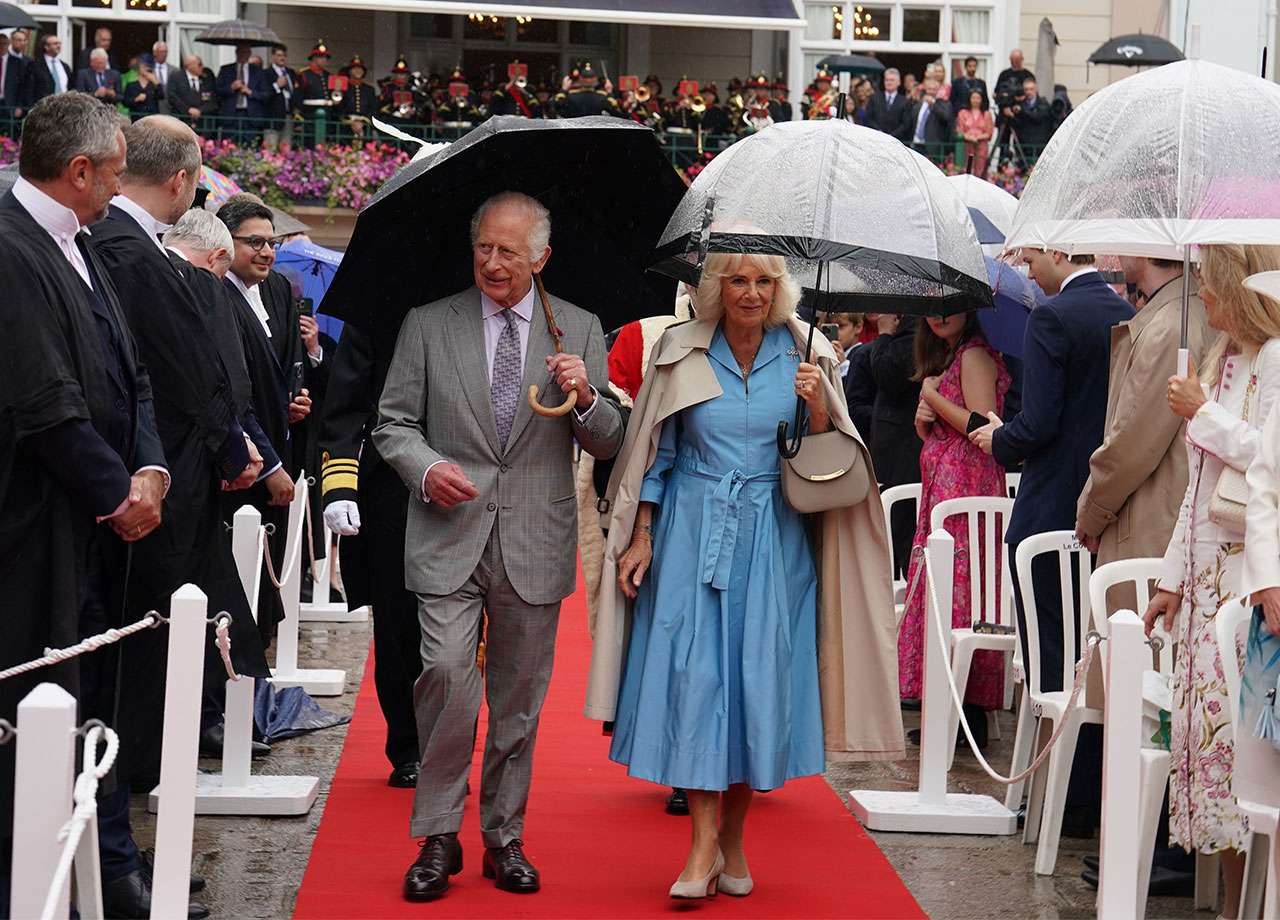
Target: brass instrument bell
{"x": 642, "y": 93}
{"x": 697, "y": 104}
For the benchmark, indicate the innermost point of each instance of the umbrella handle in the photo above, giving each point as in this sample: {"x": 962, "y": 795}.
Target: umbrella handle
{"x": 572, "y": 396}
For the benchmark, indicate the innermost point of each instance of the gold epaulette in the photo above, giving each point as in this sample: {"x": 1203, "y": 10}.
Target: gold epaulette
{"x": 338, "y": 473}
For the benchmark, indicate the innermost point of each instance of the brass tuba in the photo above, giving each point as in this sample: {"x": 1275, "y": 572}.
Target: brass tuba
{"x": 697, "y": 104}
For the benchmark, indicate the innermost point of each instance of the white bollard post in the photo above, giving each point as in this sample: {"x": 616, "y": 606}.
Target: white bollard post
{"x": 1127, "y": 658}
{"x": 175, "y": 819}
{"x": 286, "y": 673}
{"x": 236, "y": 791}
{"x": 935, "y": 705}
{"x": 44, "y": 773}
{"x": 932, "y": 810}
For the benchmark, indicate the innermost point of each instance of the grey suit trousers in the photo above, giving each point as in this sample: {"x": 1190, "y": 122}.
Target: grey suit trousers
{"x": 519, "y": 652}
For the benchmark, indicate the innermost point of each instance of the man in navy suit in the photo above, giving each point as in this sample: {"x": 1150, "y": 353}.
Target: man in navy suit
{"x": 244, "y": 92}
{"x": 1060, "y": 425}
{"x": 890, "y": 110}
{"x": 13, "y": 80}
{"x": 99, "y": 80}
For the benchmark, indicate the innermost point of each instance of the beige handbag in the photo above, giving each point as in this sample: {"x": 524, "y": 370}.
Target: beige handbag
{"x": 830, "y": 471}
{"x": 1226, "y": 507}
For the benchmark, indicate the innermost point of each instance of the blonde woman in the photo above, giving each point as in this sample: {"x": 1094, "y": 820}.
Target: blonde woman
{"x": 719, "y": 692}
{"x": 1202, "y": 565}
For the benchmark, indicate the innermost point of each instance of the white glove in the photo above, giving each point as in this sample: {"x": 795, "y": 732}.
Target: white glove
{"x": 343, "y": 518}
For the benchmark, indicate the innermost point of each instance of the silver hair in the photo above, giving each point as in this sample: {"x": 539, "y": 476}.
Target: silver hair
{"x": 531, "y": 208}
{"x": 893, "y": 70}
{"x": 98, "y": 54}
{"x": 199, "y": 231}
{"x": 158, "y": 44}
{"x": 64, "y": 126}
{"x": 721, "y": 265}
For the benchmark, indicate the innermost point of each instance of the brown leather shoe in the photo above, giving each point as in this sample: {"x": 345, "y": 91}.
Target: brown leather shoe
{"x": 510, "y": 869}
{"x": 428, "y": 877}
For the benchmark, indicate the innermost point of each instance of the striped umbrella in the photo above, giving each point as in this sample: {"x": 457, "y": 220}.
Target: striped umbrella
{"x": 239, "y": 32}
{"x": 220, "y": 187}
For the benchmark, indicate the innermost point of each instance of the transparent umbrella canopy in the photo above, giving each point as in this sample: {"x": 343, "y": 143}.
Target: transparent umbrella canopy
{"x": 1173, "y": 157}
{"x": 996, "y": 205}
{"x": 893, "y": 235}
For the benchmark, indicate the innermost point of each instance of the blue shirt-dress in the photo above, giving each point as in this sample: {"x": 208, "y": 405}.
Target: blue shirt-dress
{"x": 720, "y": 682}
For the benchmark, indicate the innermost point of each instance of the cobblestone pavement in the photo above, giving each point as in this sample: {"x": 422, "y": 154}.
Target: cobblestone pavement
{"x": 254, "y": 866}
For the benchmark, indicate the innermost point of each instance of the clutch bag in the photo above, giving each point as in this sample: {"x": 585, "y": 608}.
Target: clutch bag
{"x": 1227, "y": 506}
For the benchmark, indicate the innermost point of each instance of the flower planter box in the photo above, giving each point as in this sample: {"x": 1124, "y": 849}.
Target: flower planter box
{"x": 331, "y": 229}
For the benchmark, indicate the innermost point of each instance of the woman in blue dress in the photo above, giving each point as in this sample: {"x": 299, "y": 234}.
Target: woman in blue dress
{"x": 719, "y": 691}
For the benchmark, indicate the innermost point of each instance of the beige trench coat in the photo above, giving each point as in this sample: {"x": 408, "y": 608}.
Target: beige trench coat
{"x": 857, "y": 629}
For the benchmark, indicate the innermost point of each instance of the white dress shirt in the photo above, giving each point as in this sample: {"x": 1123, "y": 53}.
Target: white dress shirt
{"x": 254, "y": 296}
{"x": 150, "y": 226}
{"x": 58, "y": 220}
{"x": 287, "y": 89}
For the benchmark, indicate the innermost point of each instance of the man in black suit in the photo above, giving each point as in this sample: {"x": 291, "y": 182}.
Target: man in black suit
{"x": 99, "y": 80}
{"x": 48, "y": 73}
{"x": 1013, "y": 76}
{"x": 961, "y": 87}
{"x": 101, "y": 39}
{"x": 890, "y": 110}
{"x": 243, "y": 92}
{"x": 1033, "y": 120}
{"x": 895, "y": 446}
{"x": 85, "y": 473}
{"x": 931, "y": 122}
{"x": 164, "y": 72}
{"x": 284, "y": 100}
{"x": 1060, "y": 425}
{"x": 13, "y": 82}
{"x": 191, "y": 93}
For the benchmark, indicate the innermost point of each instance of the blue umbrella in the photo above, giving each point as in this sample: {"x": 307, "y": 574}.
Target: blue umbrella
{"x": 988, "y": 232}
{"x": 1015, "y": 296}
{"x": 311, "y": 269}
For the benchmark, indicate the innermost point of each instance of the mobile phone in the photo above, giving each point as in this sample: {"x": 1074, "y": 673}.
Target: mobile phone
{"x": 306, "y": 306}
{"x": 295, "y": 387}
{"x": 831, "y": 331}
{"x": 976, "y": 421}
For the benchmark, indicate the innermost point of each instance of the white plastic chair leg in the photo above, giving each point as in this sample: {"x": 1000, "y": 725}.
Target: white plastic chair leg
{"x": 1023, "y": 737}
{"x": 1207, "y": 866}
{"x": 1257, "y": 862}
{"x": 961, "y": 662}
{"x": 993, "y": 725}
{"x": 1008, "y": 681}
{"x": 1055, "y": 795}
{"x": 1036, "y": 790}
{"x": 1155, "y": 779}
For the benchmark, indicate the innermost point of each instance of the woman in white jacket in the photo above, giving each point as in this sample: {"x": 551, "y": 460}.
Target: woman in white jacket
{"x": 1203, "y": 562}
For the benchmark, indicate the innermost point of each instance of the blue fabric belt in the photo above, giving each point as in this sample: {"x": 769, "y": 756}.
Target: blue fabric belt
{"x": 726, "y": 509}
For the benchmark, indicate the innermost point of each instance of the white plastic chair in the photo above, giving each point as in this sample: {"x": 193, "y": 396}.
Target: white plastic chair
{"x": 910, "y": 492}
{"x": 1048, "y": 793}
{"x": 982, "y": 585}
{"x": 1232, "y": 625}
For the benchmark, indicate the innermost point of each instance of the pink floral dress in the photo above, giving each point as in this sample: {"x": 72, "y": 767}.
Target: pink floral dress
{"x": 951, "y": 467}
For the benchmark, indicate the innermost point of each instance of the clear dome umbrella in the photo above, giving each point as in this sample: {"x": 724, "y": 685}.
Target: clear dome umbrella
{"x": 864, "y": 223}
{"x": 1174, "y": 157}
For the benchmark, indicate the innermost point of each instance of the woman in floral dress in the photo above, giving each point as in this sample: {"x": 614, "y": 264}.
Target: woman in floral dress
{"x": 1202, "y": 565}
{"x": 959, "y": 374}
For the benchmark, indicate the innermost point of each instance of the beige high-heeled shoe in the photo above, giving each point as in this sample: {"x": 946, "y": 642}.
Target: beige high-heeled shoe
{"x": 704, "y": 887}
{"x": 738, "y": 887}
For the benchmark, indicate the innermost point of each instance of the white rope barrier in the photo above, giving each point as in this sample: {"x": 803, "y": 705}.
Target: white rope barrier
{"x": 223, "y": 642}
{"x": 149, "y": 620}
{"x": 1092, "y": 639}
{"x": 86, "y": 807}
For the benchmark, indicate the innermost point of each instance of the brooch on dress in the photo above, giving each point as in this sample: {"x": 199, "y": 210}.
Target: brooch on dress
{"x": 793, "y": 353}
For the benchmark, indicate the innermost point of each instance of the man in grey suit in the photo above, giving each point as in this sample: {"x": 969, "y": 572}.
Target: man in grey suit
{"x": 492, "y": 526}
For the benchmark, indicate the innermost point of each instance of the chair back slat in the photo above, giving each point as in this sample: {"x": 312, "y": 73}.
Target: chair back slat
{"x": 986, "y": 519}
{"x": 1064, "y": 546}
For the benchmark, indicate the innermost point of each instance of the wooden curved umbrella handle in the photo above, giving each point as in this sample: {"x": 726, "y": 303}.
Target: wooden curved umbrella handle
{"x": 552, "y": 411}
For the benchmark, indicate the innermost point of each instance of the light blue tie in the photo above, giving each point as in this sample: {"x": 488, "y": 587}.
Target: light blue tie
{"x": 57, "y": 77}
{"x": 504, "y": 388}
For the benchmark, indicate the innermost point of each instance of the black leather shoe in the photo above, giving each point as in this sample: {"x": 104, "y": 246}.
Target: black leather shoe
{"x": 1165, "y": 883}
{"x": 147, "y": 863}
{"x": 211, "y": 740}
{"x": 909, "y": 705}
{"x": 404, "y": 776}
{"x": 510, "y": 869}
{"x": 678, "y": 802}
{"x": 428, "y": 877}
{"x": 129, "y": 898}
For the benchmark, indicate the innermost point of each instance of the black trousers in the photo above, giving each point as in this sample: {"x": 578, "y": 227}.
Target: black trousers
{"x": 1084, "y": 791}
{"x": 397, "y": 637}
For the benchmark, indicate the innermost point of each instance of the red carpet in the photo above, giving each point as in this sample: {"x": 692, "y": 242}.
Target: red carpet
{"x": 601, "y": 840}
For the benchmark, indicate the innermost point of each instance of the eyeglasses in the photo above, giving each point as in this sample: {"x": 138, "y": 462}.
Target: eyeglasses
{"x": 256, "y": 242}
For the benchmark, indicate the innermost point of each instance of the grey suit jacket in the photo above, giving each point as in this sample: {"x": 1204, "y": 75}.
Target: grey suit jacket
{"x": 436, "y": 406}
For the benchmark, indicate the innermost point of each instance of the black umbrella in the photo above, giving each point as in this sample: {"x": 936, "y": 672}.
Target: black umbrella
{"x": 239, "y": 32}
{"x": 1137, "y": 51}
{"x": 851, "y": 63}
{"x": 606, "y": 182}
{"x": 12, "y": 17}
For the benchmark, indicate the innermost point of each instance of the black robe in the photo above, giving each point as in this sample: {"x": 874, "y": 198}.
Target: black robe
{"x": 52, "y": 373}
{"x": 201, "y": 434}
